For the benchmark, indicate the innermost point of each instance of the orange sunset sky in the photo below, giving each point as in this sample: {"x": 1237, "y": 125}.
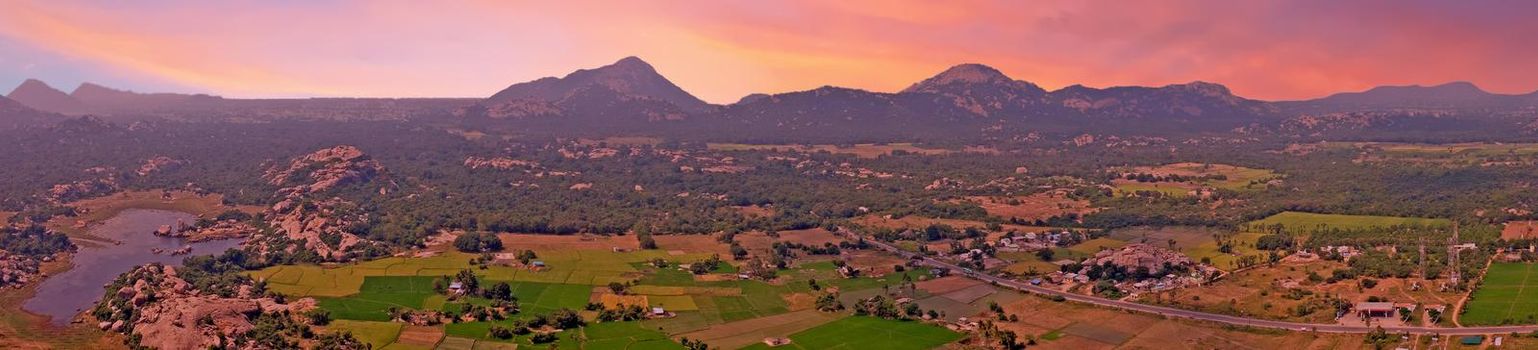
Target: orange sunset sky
{"x": 722, "y": 50}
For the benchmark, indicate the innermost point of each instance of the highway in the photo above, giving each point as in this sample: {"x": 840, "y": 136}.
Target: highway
{"x": 1203, "y": 316}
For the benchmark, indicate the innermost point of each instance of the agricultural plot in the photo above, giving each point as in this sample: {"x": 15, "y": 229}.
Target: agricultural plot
{"x": 1304, "y": 223}
{"x": 586, "y": 267}
{"x": 864, "y": 150}
{"x": 1212, "y": 175}
{"x": 377, "y": 334}
{"x": 1508, "y": 295}
{"x": 874, "y": 333}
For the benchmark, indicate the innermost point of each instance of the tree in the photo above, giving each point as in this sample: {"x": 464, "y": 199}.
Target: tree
{"x": 500, "y": 291}
{"x": 318, "y": 317}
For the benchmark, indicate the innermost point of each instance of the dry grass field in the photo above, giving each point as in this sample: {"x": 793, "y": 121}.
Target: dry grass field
{"x": 538, "y": 242}
{"x": 1073, "y": 326}
{"x": 1258, "y": 292}
{"x": 95, "y": 210}
{"x": 1038, "y": 206}
{"x": 733, "y": 335}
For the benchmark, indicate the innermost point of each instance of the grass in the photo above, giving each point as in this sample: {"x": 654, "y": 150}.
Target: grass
{"x": 1509, "y": 295}
{"x": 1304, "y": 223}
{"x": 860, "y": 332}
{"x": 1236, "y": 178}
{"x": 582, "y": 267}
{"x": 377, "y": 334}
{"x": 1093, "y": 246}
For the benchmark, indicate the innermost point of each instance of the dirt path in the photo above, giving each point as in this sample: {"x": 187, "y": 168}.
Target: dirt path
{"x": 1458, "y": 308}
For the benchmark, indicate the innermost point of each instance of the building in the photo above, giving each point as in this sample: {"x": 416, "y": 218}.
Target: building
{"x": 456, "y": 287}
{"x": 1375, "y": 309}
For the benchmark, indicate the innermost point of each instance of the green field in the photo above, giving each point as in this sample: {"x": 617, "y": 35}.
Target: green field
{"x": 1304, "y": 223}
{"x": 377, "y": 334}
{"x": 582, "y": 267}
{"x": 859, "y": 332}
{"x": 359, "y": 296}
{"x": 1509, "y": 295}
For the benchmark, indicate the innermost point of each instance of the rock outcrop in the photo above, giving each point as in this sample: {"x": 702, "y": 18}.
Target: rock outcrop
{"x": 168, "y": 312}
{"x": 1136, "y": 256}
{"x": 323, "y": 170}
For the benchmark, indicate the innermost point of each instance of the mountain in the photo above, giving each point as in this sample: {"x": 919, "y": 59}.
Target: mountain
{"x": 14, "y": 115}
{"x": 38, "y": 95}
{"x": 629, "y": 78}
{"x": 982, "y": 90}
{"x": 831, "y": 111}
{"x": 1195, "y": 102}
{"x": 1454, "y": 95}
{"x": 99, "y": 97}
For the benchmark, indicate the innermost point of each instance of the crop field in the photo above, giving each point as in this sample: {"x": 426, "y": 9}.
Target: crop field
{"x": 874, "y": 333}
{"x": 584, "y": 267}
{"x": 1304, "y": 223}
{"x": 864, "y": 150}
{"x": 1234, "y": 178}
{"x": 733, "y": 335}
{"x": 1508, "y": 295}
{"x": 378, "y": 334}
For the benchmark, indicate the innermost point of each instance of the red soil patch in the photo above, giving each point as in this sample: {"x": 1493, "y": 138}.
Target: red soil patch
{"x": 1520, "y": 230}
{"x": 947, "y": 284}
{"x": 810, "y": 237}
{"x": 427, "y": 336}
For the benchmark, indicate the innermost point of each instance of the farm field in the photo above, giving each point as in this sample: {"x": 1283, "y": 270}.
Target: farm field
{"x": 1038, "y": 206}
{"x": 1509, "y": 295}
{"x": 1233, "y": 178}
{"x": 581, "y": 267}
{"x": 874, "y": 333}
{"x": 1304, "y": 223}
{"x": 1259, "y": 292}
{"x": 864, "y": 150}
{"x": 1058, "y": 325}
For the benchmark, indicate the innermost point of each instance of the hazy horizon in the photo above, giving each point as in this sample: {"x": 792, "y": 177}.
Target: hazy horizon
{"x": 723, "y": 51}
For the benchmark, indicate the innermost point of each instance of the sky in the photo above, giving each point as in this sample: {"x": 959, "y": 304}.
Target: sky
{"x": 725, "y": 49}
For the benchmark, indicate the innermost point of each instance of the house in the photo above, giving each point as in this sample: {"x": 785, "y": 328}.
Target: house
{"x": 658, "y": 311}
{"x": 456, "y": 287}
{"x": 773, "y": 342}
{"x": 1375, "y": 309}
{"x": 537, "y": 263}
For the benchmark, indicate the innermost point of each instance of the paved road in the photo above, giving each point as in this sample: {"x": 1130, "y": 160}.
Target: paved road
{"x": 1198, "y": 315}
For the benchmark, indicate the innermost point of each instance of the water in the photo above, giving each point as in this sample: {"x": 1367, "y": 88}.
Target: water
{"x": 65, "y": 295}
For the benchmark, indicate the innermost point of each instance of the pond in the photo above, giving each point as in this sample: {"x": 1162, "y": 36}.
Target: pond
{"x": 65, "y": 295}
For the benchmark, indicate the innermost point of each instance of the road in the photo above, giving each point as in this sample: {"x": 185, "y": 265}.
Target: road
{"x": 1203, "y": 316}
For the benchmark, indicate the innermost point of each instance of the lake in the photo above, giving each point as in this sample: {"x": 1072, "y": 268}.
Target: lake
{"x": 65, "y": 295}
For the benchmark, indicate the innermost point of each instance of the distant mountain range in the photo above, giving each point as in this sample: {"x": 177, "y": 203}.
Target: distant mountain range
{"x": 966, "y": 101}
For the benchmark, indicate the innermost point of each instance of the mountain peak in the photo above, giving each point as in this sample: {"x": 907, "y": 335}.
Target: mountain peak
{"x": 630, "y": 77}
{"x": 632, "y": 62}
{"x": 1204, "y": 88}
{"x": 39, "y": 95}
{"x": 967, "y": 73}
